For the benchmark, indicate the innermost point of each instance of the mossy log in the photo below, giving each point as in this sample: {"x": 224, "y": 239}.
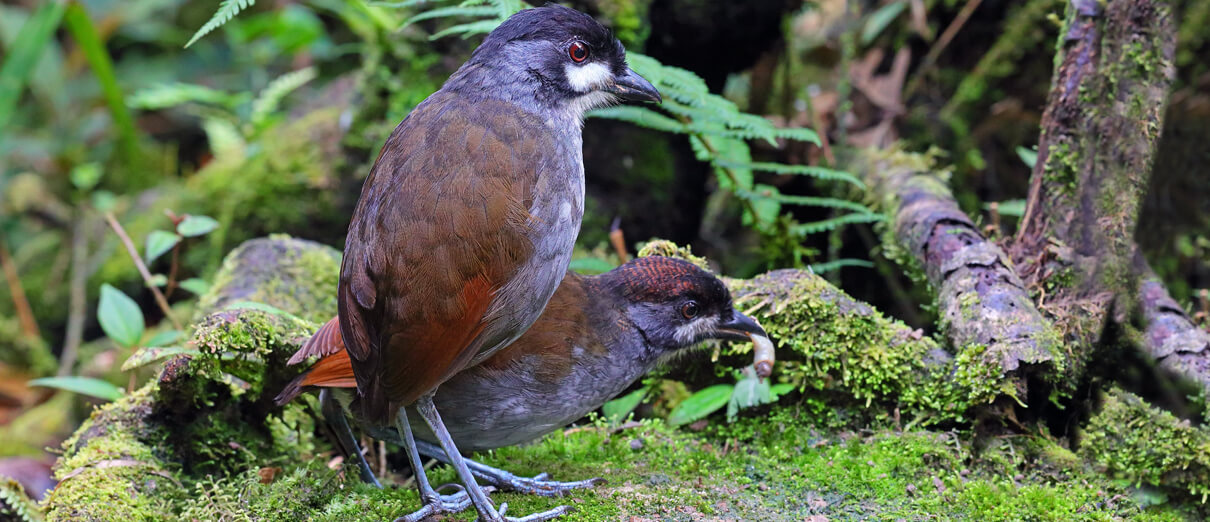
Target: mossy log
{"x": 204, "y": 442}
{"x": 1178, "y": 346}
{"x": 981, "y": 300}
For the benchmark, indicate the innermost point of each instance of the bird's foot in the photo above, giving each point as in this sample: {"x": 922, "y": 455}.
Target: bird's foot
{"x": 535, "y": 517}
{"x": 539, "y": 484}
{"x": 440, "y": 505}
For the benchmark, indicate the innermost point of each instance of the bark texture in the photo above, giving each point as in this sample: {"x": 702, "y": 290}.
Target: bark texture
{"x": 980, "y": 299}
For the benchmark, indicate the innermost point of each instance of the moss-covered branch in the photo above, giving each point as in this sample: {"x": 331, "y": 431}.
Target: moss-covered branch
{"x": 1099, "y": 132}
{"x": 981, "y": 301}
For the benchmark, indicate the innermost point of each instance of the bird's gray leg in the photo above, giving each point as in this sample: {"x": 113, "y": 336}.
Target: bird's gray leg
{"x": 537, "y": 485}
{"x": 487, "y": 512}
{"x": 335, "y": 417}
{"x": 434, "y": 503}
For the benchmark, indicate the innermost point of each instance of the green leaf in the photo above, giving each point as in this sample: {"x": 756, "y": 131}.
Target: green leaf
{"x": 164, "y": 338}
{"x": 451, "y": 11}
{"x": 193, "y": 226}
{"x": 836, "y": 264}
{"x": 816, "y": 227}
{"x": 616, "y": 410}
{"x": 262, "y": 307}
{"x": 22, "y": 56}
{"x": 86, "y": 176}
{"x": 159, "y": 242}
{"x": 640, "y": 116}
{"x": 159, "y": 280}
{"x": 701, "y": 404}
{"x": 468, "y": 30}
{"x": 777, "y": 390}
{"x": 1009, "y": 207}
{"x": 168, "y": 95}
{"x": 85, "y": 33}
{"x": 749, "y": 391}
{"x": 879, "y": 20}
{"x": 1028, "y": 156}
{"x": 120, "y": 317}
{"x": 144, "y": 356}
{"x": 799, "y": 170}
{"x": 82, "y": 385}
{"x": 591, "y": 265}
{"x": 227, "y": 10}
{"x": 195, "y": 285}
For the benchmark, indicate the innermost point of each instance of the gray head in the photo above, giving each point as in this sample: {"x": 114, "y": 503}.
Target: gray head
{"x": 552, "y": 58}
{"x": 675, "y": 304}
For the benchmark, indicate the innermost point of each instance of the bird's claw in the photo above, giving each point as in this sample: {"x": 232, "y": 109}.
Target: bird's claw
{"x": 442, "y": 505}
{"x": 541, "y": 486}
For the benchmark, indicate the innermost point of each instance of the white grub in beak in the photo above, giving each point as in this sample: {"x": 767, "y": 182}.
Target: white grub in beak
{"x": 762, "y": 352}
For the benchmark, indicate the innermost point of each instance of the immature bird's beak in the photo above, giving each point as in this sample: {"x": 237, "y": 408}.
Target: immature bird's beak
{"x": 630, "y": 86}
{"x": 738, "y": 328}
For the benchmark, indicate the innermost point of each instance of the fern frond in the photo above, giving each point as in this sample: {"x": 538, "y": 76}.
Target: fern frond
{"x": 227, "y": 10}
{"x": 797, "y": 134}
{"x": 800, "y": 170}
{"x": 811, "y": 201}
{"x": 225, "y": 139}
{"x": 272, "y": 95}
{"x": 828, "y": 225}
{"x": 168, "y": 95}
{"x": 402, "y": 4}
{"x": 449, "y": 12}
{"x": 641, "y": 116}
{"x": 468, "y": 30}
{"x": 829, "y": 266}
{"x": 15, "y": 504}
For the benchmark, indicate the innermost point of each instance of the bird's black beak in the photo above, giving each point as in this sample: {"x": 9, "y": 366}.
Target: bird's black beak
{"x": 630, "y": 86}
{"x": 738, "y": 328}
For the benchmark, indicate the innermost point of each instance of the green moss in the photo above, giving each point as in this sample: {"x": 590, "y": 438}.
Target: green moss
{"x": 293, "y": 275}
{"x": 663, "y": 247}
{"x": 1139, "y": 443}
{"x": 112, "y": 469}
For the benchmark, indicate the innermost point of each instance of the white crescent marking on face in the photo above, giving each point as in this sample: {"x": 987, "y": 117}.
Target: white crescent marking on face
{"x": 585, "y": 78}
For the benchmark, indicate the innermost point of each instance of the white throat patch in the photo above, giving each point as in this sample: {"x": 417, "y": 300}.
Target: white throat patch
{"x": 586, "y": 78}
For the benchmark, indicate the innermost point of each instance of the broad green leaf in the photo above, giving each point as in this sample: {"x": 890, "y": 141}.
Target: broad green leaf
{"x": 749, "y": 391}
{"x": 880, "y": 19}
{"x": 85, "y": 33}
{"x": 159, "y": 280}
{"x": 195, "y": 285}
{"x": 120, "y": 317}
{"x": 82, "y": 385}
{"x": 701, "y": 404}
{"x": 193, "y": 226}
{"x": 590, "y": 265}
{"x": 164, "y": 338}
{"x": 159, "y": 242}
{"x": 616, "y": 410}
{"x": 1028, "y": 156}
{"x": 144, "y": 356}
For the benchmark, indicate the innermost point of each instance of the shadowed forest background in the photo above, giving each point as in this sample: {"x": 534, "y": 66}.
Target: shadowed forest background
{"x": 977, "y": 230}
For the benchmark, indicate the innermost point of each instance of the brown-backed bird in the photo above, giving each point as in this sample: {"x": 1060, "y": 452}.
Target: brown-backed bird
{"x": 466, "y": 222}
{"x": 597, "y": 336}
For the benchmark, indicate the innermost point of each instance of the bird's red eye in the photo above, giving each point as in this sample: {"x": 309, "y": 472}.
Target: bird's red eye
{"x": 578, "y": 51}
{"x": 689, "y": 310}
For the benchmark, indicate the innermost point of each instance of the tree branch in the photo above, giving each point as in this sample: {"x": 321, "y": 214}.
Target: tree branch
{"x": 980, "y": 299}
{"x": 138, "y": 263}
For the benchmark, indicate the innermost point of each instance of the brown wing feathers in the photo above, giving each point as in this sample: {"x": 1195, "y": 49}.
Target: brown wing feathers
{"x": 440, "y": 228}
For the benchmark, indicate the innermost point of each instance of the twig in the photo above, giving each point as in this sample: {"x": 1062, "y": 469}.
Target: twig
{"x": 29, "y": 325}
{"x": 618, "y": 240}
{"x": 138, "y": 263}
{"x": 79, "y": 296}
{"x": 950, "y": 32}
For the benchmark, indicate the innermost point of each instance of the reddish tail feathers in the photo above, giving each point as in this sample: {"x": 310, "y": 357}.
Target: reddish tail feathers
{"x": 332, "y": 370}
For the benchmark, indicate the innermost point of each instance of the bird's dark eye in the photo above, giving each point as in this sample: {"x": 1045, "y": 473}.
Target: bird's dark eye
{"x": 689, "y": 310}
{"x": 578, "y": 52}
